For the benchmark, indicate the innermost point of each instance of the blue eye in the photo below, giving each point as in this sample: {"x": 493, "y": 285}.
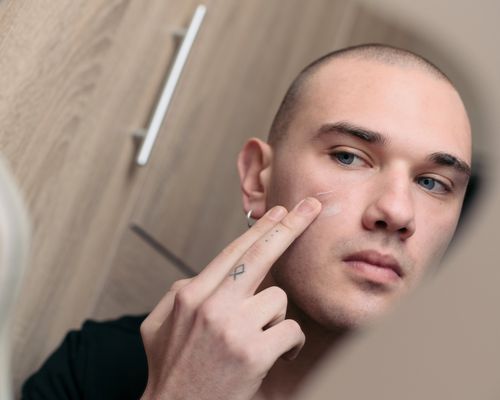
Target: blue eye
{"x": 432, "y": 184}
{"x": 345, "y": 157}
{"x": 348, "y": 159}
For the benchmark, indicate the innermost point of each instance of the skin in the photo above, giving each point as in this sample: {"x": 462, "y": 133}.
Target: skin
{"x": 221, "y": 334}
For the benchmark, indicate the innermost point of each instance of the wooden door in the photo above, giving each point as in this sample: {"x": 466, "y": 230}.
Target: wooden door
{"x": 77, "y": 78}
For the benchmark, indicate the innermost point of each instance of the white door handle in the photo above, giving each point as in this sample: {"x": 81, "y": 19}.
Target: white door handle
{"x": 165, "y": 98}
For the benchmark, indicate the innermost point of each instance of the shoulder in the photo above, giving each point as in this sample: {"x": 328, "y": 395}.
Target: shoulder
{"x": 102, "y": 360}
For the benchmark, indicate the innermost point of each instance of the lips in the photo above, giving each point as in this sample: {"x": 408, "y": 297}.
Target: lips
{"x": 374, "y": 258}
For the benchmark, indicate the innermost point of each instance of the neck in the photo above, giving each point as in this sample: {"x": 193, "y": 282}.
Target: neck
{"x": 286, "y": 376}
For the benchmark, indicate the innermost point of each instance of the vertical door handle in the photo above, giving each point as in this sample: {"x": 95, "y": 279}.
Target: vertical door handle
{"x": 162, "y": 106}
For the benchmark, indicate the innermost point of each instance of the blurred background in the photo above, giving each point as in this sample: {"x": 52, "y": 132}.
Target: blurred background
{"x": 80, "y": 82}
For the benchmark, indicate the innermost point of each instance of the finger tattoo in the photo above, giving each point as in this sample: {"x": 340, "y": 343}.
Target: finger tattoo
{"x": 238, "y": 270}
{"x": 267, "y": 240}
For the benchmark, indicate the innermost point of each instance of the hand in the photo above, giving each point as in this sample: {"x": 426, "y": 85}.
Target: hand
{"x": 211, "y": 336}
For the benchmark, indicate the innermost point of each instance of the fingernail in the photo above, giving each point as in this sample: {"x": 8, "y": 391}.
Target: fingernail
{"x": 277, "y": 212}
{"x": 307, "y": 205}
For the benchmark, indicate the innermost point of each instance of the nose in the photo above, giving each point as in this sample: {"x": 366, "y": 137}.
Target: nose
{"x": 391, "y": 209}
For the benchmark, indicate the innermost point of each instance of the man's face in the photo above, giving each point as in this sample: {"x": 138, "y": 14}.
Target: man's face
{"x": 390, "y": 202}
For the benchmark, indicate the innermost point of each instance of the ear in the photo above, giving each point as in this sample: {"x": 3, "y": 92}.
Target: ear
{"x": 254, "y": 167}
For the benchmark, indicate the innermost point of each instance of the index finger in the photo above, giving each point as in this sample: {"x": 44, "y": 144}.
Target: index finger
{"x": 249, "y": 271}
{"x": 215, "y": 272}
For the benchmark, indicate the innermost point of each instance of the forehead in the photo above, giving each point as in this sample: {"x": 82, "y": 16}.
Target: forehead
{"x": 411, "y": 106}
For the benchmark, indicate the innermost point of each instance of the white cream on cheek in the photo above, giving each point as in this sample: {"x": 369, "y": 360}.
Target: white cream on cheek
{"x": 331, "y": 205}
{"x": 334, "y": 200}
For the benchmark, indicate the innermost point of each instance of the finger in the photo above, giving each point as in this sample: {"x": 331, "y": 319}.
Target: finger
{"x": 249, "y": 271}
{"x": 218, "y": 269}
{"x": 285, "y": 339}
{"x": 267, "y": 308}
{"x": 165, "y": 305}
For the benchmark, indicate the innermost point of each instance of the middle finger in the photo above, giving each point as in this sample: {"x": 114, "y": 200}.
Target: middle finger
{"x": 251, "y": 268}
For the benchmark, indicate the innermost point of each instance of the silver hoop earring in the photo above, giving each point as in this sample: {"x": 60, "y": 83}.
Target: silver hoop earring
{"x": 249, "y": 219}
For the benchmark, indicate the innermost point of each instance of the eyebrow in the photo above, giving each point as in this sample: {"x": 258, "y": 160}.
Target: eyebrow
{"x": 373, "y": 137}
{"x": 349, "y": 129}
{"x": 448, "y": 160}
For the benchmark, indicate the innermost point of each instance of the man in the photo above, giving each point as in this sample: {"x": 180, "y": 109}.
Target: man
{"x": 377, "y": 142}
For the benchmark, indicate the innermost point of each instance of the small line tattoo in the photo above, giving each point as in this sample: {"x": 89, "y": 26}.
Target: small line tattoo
{"x": 238, "y": 270}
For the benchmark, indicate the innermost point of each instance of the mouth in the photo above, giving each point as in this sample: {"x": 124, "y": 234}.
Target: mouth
{"x": 375, "y": 266}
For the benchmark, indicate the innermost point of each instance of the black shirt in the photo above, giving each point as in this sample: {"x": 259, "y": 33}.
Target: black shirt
{"x": 103, "y": 360}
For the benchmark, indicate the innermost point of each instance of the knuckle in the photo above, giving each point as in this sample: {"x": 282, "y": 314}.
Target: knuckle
{"x": 288, "y": 225}
{"x": 242, "y": 351}
{"x": 144, "y": 328}
{"x": 210, "y": 317}
{"x": 179, "y": 284}
{"x": 249, "y": 358}
{"x": 231, "y": 338}
{"x": 228, "y": 250}
{"x": 184, "y": 300}
{"x": 148, "y": 328}
{"x": 230, "y": 341}
{"x": 254, "y": 253}
{"x": 279, "y": 295}
{"x": 263, "y": 225}
{"x": 231, "y": 248}
{"x": 293, "y": 327}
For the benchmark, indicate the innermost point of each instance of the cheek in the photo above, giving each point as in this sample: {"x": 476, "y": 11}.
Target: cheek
{"x": 338, "y": 222}
{"x": 337, "y": 195}
{"x": 438, "y": 235}
{"x": 341, "y": 197}
{"x": 432, "y": 238}
{"x": 331, "y": 185}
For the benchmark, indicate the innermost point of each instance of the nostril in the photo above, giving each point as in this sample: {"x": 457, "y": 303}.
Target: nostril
{"x": 381, "y": 224}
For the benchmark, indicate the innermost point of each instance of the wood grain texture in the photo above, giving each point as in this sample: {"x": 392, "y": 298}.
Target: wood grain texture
{"x": 77, "y": 78}
{"x": 139, "y": 280}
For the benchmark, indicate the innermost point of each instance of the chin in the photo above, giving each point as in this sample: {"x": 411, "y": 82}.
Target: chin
{"x": 333, "y": 314}
{"x": 347, "y": 319}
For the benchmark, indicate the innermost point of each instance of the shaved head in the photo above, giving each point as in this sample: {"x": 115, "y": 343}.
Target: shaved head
{"x": 372, "y": 52}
